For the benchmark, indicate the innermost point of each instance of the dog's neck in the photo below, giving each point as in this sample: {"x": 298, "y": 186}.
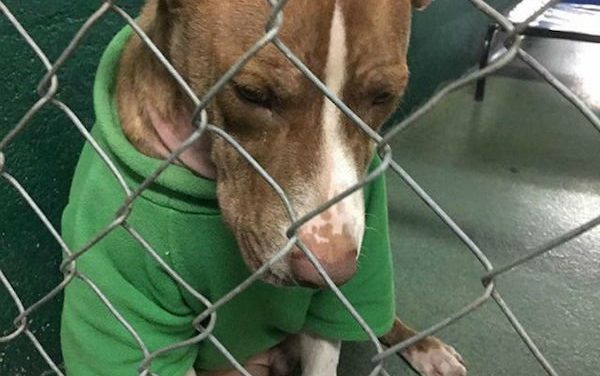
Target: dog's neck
{"x": 155, "y": 115}
{"x": 172, "y": 133}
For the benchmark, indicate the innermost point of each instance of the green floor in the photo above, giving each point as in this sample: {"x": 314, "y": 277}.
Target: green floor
{"x": 513, "y": 171}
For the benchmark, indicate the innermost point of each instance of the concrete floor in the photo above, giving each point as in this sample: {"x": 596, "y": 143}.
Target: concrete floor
{"x": 513, "y": 171}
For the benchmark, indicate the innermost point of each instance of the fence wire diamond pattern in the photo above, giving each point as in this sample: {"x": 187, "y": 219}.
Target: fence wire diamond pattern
{"x": 49, "y": 85}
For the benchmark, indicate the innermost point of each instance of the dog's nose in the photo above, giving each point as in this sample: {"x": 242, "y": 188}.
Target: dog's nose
{"x": 339, "y": 270}
{"x": 333, "y": 242}
{"x": 334, "y": 237}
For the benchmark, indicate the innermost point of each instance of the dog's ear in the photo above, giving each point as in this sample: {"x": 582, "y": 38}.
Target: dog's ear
{"x": 420, "y": 4}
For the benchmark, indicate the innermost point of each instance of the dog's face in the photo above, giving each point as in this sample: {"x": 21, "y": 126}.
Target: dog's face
{"x": 358, "y": 49}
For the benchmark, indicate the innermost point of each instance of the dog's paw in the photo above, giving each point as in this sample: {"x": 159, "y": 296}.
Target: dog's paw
{"x": 435, "y": 358}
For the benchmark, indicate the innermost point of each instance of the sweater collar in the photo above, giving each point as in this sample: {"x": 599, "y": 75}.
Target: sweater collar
{"x": 176, "y": 187}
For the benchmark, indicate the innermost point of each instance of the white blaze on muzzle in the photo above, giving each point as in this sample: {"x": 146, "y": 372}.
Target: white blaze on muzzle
{"x": 344, "y": 221}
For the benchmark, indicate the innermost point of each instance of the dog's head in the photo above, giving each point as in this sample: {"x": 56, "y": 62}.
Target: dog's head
{"x": 358, "y": 49}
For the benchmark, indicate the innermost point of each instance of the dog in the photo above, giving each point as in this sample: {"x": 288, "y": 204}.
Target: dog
{"x": 358, "y": 49}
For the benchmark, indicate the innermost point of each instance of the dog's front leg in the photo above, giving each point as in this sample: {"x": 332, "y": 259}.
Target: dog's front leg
{"x": 430, "y": 356}
{"x": 319, "y": 356}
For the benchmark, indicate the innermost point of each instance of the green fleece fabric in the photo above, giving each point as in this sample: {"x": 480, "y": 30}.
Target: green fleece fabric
{"x": 179, "y": 216}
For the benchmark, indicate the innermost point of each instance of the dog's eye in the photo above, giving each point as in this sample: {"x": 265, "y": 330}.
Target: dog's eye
{"x": 253, "y": 95}
{"x": 383, "y": 98}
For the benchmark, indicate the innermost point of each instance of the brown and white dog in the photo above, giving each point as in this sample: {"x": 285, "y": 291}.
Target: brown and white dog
{"x": 358, "y": 49}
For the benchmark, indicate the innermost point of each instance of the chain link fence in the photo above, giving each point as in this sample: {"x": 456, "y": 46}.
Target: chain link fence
{"x": 49, "y": 86}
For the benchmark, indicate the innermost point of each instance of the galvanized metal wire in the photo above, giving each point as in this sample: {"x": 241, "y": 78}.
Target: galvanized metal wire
{"x": 49, "y": 85}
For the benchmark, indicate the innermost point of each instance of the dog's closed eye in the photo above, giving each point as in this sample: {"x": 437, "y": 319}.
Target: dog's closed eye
{"x": 383, "y": 97}
{"x": 254, "y": 95}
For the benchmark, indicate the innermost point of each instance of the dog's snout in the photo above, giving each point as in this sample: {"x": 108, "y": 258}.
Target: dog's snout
{"x": 334, "y": 243}
{"x": 339, "y": 270}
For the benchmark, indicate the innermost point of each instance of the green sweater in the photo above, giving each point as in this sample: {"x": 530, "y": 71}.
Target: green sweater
{"x": 179, "y": 216}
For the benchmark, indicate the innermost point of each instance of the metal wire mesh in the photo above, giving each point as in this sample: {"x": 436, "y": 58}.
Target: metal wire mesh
{"x": 49, "y": 85}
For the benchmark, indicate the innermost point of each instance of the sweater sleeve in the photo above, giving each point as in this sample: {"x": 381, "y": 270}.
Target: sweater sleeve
{"x": 371, "y": 290}
{"x": 94, "y": 342}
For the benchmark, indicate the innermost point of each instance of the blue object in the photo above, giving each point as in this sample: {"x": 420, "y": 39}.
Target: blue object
{"x": 594, "y": 2}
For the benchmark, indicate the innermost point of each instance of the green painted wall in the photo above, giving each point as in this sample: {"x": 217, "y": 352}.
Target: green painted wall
{"x": 446, "y": 41}
{"x": 42, "y": 158}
